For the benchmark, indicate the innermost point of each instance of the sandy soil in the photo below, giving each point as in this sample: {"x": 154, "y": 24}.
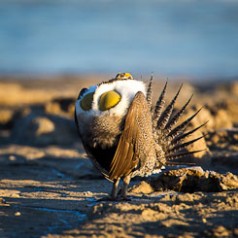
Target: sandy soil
{"x": 48, "y": 187}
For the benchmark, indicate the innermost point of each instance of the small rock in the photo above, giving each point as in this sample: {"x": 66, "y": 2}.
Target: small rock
{"x": 42, "y": 125}
{"x": 61, "y": 107}
{"x": 142, "y": 188}
{"x": 235, "y": 232}
{"x": 12, "y": 158}
{"x": 221, "y": 231}
{"x": 2, "y": 201}
{"x": 222, "y": 120}
{"x": 195, "y": 179}
{"x": 38, "y": 129}
{"x": 6, "y": 116}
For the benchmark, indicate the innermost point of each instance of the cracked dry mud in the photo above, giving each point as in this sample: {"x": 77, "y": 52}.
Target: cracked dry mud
{"x": 48, "y": 187}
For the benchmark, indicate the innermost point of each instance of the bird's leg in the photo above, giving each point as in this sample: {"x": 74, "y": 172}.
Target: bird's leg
{"x": 126, "y": 181}
{"x": 115, "y": 188}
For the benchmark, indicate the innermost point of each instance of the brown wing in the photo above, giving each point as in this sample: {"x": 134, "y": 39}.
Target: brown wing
{"x": 130, "y": 151}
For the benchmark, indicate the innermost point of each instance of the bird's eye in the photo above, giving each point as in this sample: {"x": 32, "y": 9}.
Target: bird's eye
{"x": 108, "y": 100}
{"x": 86, "y": 102}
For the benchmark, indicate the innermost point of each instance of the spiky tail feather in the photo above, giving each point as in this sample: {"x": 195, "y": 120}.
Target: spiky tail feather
{"x": 172, "y": 138}
{"x": 149, "y": 93}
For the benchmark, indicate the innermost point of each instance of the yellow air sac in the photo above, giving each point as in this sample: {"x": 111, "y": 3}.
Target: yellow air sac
{"x": 108, "y": 100}
{"x": 86, "y": 102}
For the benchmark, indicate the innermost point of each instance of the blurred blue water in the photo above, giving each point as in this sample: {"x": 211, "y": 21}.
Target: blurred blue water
{"x": 196, "y": 38}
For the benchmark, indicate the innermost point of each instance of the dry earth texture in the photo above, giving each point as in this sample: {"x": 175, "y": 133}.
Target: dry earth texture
{"x": 48, "y": 187}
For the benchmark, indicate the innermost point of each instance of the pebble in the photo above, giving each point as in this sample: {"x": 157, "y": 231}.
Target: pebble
{"x": 2, "y": 201}
{"x": 12, "y": 158}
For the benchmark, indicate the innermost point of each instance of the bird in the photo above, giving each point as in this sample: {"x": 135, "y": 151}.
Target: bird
{"x": 125, "y": 135}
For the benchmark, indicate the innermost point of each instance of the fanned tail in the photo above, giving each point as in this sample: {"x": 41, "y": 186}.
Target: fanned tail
{"x": 159, "y": 105}
{"x": 181, "y": 127}
{"x": 172, "y": 139}
{"x": 180, "y": 146}
{"x": 165, "y": 116}
{"x": 177, "y": 116}
{"x": 149, "y": 93}
{"x": 178, "y": 155}
{"x": 181, "y": 137}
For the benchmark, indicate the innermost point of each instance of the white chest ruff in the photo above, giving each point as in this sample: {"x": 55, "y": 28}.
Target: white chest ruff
{"x": 127, "y": 90}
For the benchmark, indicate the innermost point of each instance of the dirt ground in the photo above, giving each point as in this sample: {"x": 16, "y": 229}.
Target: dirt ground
{"x": 48, "y": 187}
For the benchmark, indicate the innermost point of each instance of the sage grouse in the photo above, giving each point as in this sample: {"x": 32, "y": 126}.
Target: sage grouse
{"x": 124, "y": 135}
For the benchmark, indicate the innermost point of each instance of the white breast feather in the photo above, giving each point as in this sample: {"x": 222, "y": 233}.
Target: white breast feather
{"x": 126, "y": 88}
{"x": 78, "y": 108}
